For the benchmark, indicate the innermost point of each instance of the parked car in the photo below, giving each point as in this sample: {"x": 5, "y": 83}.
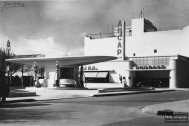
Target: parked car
{"x": 150, "y": 83}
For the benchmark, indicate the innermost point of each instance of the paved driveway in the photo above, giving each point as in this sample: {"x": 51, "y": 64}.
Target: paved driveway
{"x": 91, "y": 111}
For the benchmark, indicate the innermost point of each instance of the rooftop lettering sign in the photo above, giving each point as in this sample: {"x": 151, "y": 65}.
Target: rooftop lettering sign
{"x": 119, "y": 37}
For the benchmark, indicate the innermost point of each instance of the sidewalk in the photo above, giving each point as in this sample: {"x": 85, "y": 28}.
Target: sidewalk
{"x": 49, "y": 93}
{"x": 61, "y": 93}
{"x": 177, "y": 106}
{"x": 127, "y": 91}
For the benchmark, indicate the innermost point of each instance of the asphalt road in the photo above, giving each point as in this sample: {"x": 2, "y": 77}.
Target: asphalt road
{"x": 93, "y": 111}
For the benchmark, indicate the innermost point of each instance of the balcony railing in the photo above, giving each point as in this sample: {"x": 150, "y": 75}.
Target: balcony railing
{"x": 152, "y": 60}
{"x": 101, "y": 35}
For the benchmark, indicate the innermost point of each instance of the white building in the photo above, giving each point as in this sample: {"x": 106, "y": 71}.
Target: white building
{"x": 148, "y": 53}
{"x": 143, "y": 53}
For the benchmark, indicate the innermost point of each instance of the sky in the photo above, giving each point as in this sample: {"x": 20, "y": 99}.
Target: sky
{"x": 57, "y": 28}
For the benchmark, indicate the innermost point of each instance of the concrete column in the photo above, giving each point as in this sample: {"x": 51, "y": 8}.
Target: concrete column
{"x": 35, "y": 73}
{"x": 173, "y": 73}
{"x": 81, "y": 77}
{"x": 57, "y": 74}
{"x": 76, "y": 77}
{"x": 129, "y": 74}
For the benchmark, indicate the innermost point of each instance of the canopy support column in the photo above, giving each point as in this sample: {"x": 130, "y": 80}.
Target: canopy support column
{"x": 81, "y": 77}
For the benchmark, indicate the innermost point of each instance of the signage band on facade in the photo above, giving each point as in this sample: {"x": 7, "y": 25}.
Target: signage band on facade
{"x": 152, "y": 67}
{"x": 121, "y": 39}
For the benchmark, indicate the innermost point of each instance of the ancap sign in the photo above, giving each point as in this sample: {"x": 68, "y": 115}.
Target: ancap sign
{"x": 119, "y": 37}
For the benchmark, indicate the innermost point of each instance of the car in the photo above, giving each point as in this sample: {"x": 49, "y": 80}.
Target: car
{"x": 150, "y": 83}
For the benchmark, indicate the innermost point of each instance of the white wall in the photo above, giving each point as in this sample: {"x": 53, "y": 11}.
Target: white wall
{"x": 142, "y": 44}
{"x": 165, "y": 42}
{"x": 102, "y": 47}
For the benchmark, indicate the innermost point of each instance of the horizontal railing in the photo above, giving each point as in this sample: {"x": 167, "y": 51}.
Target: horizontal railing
{"x": 100, "y": 35}
{"x": 151, "y": 61}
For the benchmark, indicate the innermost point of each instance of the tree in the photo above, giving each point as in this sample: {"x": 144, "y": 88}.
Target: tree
{"x": 13, "y": 67}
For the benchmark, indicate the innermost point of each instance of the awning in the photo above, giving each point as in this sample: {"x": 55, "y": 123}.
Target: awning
{"x": 91, "y": 74}
{"x": 63, "y": 61}
{"x": 102, "y": 74}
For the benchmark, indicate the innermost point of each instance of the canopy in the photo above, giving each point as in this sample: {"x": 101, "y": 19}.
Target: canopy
{"x": 63, "y": 61}
{"x": 102, "y": 74}
{"x": 91, "y": 74}
{"x": 96, "y": 74}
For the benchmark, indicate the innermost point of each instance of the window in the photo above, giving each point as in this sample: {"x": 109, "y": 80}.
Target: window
{"x": 155, "y": 50}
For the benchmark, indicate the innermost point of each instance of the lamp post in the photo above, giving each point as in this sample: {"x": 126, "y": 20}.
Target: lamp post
{"x": 57, "y": 74}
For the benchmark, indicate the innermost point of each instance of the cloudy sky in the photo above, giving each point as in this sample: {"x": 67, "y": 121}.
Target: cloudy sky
{"x": 57, "y": 28}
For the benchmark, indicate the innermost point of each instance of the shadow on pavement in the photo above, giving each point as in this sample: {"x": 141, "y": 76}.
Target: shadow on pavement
{"x": 9, "y": 105}
{"x": 22, "y": 100}
{"x": 32, "y": 115}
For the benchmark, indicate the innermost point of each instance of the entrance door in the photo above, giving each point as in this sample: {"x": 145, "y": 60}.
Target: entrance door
{"x": 66, "y": 73}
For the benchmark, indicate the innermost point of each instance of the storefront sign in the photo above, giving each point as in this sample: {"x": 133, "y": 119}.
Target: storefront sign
{"x": 89, "y": 68}
{"x": 119, "y": 37}
{"x": 152, "y": 67}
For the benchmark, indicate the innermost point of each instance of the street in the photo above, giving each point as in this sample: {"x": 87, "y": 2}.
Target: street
{"x": 92, "y": 111}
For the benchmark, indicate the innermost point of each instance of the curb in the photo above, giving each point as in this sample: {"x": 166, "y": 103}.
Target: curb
{"x": 123, "y": 89}
{"x": 21, "y": 94}
{"x": 128, "y": 93}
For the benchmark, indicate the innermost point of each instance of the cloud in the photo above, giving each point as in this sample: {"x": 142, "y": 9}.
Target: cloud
{"x": 57, "y": 27}
{"x": 23, "y": 46}
{"x": 45, "y": 46}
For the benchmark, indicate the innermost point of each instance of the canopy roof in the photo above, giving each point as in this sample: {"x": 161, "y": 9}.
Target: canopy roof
{"x": 63, "y": 61}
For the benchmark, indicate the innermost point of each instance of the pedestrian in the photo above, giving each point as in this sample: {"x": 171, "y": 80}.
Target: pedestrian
{"x": 120, "y": 78}
{"x": 125, "y": 82}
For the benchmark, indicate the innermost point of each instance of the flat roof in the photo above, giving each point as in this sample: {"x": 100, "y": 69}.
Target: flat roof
{"x": 63, "y": 61}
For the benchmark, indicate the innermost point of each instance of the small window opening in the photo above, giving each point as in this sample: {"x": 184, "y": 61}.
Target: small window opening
{"x": 155, "y": 50}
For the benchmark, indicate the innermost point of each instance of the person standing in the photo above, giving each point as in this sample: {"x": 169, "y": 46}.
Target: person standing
{"x": 120, "y": 78}
{"x": 125, "y": 82}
